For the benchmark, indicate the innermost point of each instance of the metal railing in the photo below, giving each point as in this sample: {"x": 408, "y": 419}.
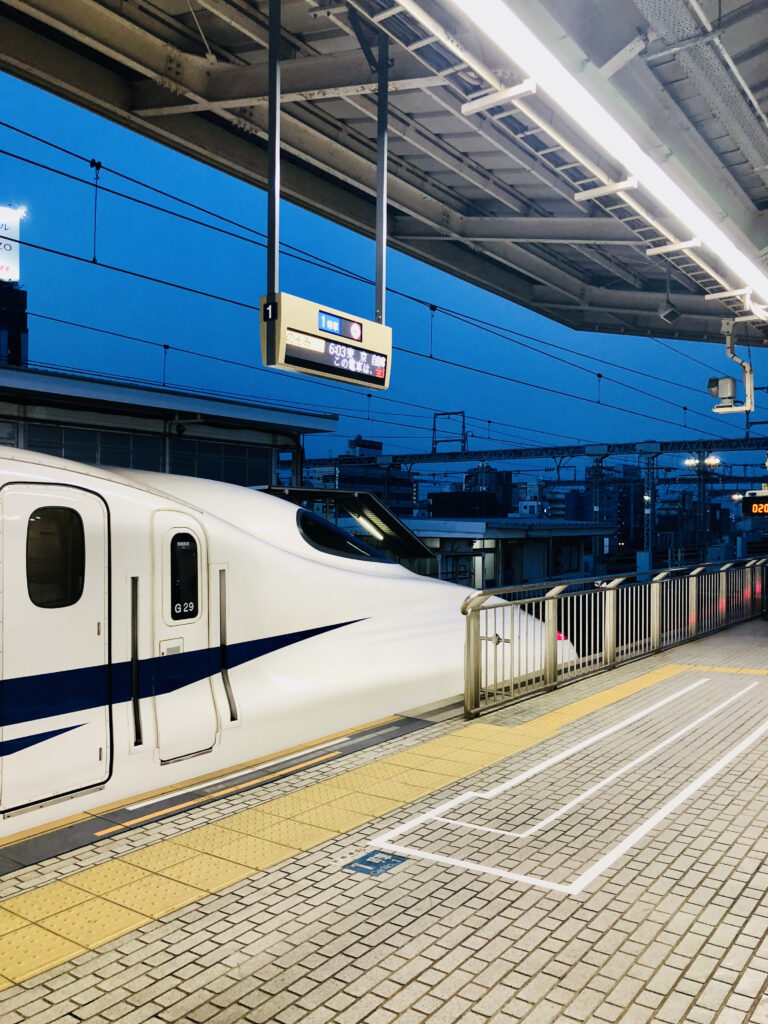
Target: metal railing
{"x": 525, "y": 640}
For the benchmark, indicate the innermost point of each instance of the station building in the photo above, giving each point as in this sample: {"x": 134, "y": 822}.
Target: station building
{"x": 486, "y": 553}
{"x": 162, "y": 430}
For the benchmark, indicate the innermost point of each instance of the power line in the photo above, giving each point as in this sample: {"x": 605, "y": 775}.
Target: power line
{"x": 321, "y": 263}
{"x": 260, "y": 369}
{"x": 473, "y": 369}
{"x": 485, "y": 325}
{"x": 630, "y": 387}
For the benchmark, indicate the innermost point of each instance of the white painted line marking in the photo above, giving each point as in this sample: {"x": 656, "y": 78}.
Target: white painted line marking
{"x": 605, "y": 862}
{"x": 623, "y": 770}
{"x": 468, "y": 865}
{"x": 537, "y": 768}
{"x": 583, "y": 880}
{"x": 234, "y": 775}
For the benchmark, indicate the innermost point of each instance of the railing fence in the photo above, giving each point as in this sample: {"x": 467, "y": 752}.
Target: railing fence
{"x": 525, "y": 640}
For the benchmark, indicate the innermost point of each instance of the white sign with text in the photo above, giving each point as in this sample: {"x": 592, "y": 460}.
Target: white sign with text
{"x": 9, "y": 243}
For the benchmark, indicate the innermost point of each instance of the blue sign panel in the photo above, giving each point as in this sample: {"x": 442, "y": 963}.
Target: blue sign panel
{"x": 375, "y": 863}
{"x": 327, "y": 322}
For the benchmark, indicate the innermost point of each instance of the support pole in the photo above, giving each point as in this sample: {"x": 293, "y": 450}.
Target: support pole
{"x": 597, "y": 494}
{"x": 649, "y": 507}
{"x": 273, "y": 172}
{"x": 382, "y": 141}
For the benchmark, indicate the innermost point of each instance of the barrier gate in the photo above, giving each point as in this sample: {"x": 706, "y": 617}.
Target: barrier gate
{"x": 529, "y": 639}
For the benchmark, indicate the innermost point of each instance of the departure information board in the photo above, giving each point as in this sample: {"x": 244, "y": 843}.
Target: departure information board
{"x": 304, "y": 337}
{"x": 346, "y": 361}
{"x": 755, "y": 505}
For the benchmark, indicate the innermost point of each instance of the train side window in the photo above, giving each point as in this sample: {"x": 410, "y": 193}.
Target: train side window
{"x": 55, "y": 557}
{"x": 184, "y": 576}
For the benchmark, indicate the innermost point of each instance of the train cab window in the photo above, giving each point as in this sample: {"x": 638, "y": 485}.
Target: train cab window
{"x": 184, "y": 573}
{"x": 55, "y": 557}
{"x": 324, "y": 536}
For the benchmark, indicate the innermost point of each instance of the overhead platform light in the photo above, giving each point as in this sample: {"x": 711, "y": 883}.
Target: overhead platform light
{"x": 512, "y": 35}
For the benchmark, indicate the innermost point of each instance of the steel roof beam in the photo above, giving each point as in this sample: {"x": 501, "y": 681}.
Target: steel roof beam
{"x": 304, "y": 78}
{"x": 347, "y": 158}
{"x": 712, "y": 444}
{"x": 552, "y": 230}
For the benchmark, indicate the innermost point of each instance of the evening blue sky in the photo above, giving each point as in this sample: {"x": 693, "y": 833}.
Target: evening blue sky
{"x": 154, "y": 244}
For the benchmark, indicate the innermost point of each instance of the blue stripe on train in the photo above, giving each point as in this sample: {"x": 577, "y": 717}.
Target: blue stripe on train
{"x": 22, "y": 742}
{"x": 29, "y": 698}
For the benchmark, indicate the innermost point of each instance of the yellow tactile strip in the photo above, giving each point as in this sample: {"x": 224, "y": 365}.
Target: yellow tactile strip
{"x": 57, "y": 922}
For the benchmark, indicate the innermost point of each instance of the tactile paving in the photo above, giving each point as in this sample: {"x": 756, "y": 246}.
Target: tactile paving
{"x": 156, "y": 895}
{"x": 255, "y": 852}
{"x": 159, "y": 855}
{"x": 207, "y": 872}
{"x": 249, "y": 822}
{"x": 47, "y": 900}
{"x": 206, "y": 839}
{"x": 334, "y": 818}
{"x": 95, "y": 922}
{"x": 296, "y": 834}
{"x": 10, "y": 922}
{"x": 103, "y": 877}
{"x": 31, "y": 950}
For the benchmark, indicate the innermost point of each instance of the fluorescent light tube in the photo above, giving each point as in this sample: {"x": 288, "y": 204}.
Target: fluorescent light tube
{"x": 514, "y": 37}
{"x": 370, "y": 528}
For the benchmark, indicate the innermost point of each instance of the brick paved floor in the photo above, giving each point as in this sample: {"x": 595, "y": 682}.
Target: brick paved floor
{"x": 674, "y": 930}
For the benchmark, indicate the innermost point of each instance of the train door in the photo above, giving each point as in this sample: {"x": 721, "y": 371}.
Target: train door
{"x": 187, "y": 722}
{"x": 54, "y": 702}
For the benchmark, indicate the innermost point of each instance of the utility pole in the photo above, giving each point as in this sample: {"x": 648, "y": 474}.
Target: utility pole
{"x": 649, "y": 507}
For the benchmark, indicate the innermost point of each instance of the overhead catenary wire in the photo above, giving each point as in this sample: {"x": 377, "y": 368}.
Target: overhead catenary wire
{"x": 260, "y": 369}
{"x": 294, "y": 252}
{"x": 434, "y": 359}
{"x": 485, "y": 325}
{"x": 464, "y": 366}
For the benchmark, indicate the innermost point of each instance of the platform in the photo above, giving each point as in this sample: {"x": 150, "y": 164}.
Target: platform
{"x": 594, "y": 854}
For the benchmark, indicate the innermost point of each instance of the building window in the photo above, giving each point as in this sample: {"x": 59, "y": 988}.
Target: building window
{"x": 44, "y": 438}
{"x": 55, "y": 557}
{"x": 184, "y": 604}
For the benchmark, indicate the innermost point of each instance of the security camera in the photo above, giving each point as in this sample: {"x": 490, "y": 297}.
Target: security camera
{"x": 723, "y": 388}
{"x": 668, "y": 312}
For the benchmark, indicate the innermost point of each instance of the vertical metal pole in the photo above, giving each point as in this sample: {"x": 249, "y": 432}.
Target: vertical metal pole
{"x": 273, "y": 171}
{"x": 656, "y": 598}
{"x": 382, "y": 143}
{"x": 472, "y": 665}
{"x": 608, "y": 599}
{"x": 701, "y": 519}
{"x": 551, "y": 603}
{"x": 693, "y": 602}
{"x": 597, "y": 480}
{"x": 649, "y": 507}
{"x": 722, "y": 617}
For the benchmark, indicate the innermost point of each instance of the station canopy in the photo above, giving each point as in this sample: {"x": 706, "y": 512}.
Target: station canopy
{"x": 484, "y": 177}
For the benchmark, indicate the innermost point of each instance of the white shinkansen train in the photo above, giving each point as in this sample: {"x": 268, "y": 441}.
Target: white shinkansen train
{"x": 158, "y": 628}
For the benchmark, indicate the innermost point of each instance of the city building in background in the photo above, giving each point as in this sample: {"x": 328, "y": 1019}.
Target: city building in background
{"x": 500, "y": 527}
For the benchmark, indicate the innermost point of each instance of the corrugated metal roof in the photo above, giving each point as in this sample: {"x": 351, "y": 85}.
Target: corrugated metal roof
{"x": 487, "y": 196}
{"x": 29, "y": 386}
